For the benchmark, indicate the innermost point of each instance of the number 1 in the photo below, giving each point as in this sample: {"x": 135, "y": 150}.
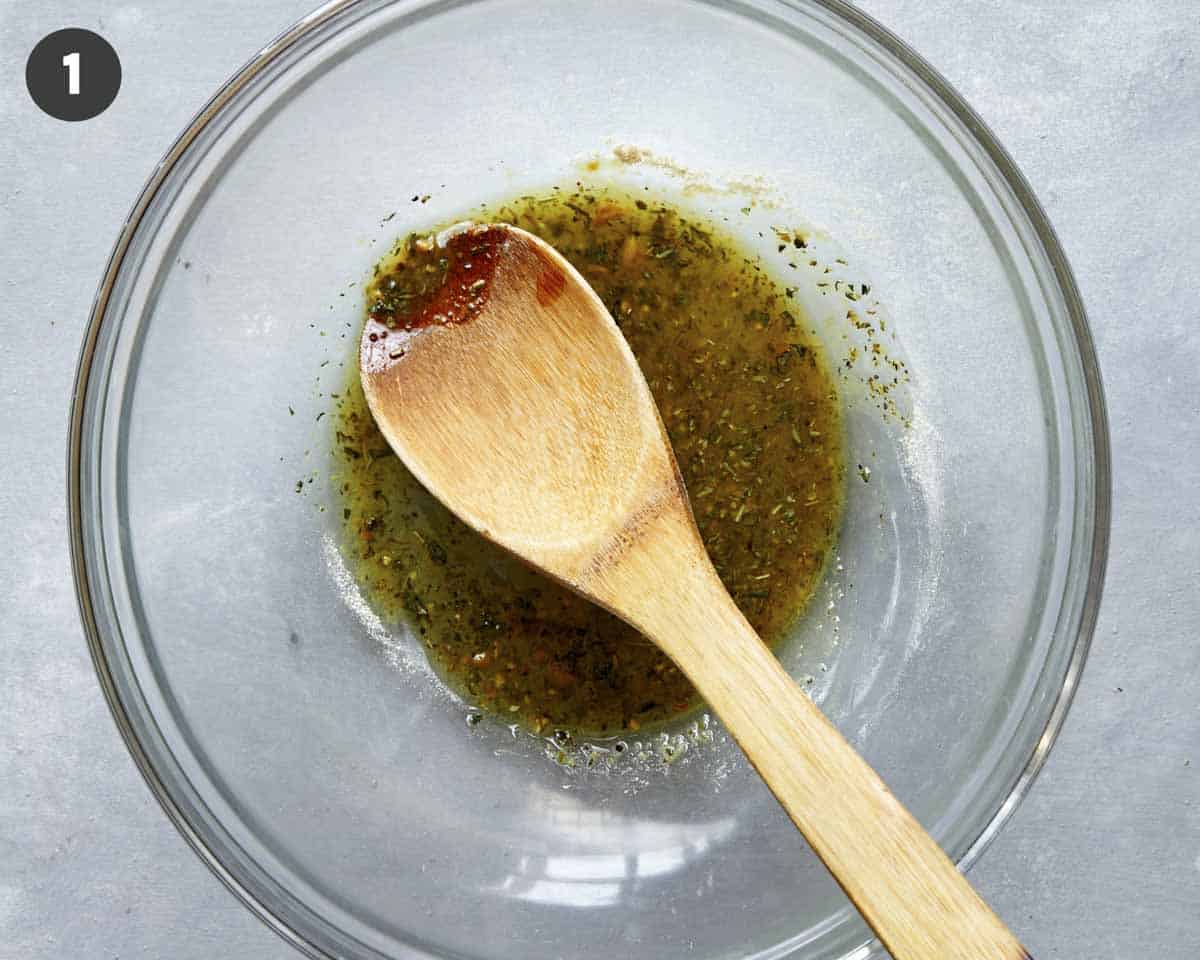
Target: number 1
{"x": 71, "y": 62}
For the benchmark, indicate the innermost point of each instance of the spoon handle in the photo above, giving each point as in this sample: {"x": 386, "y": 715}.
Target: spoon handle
{"x": 906, "y": 888}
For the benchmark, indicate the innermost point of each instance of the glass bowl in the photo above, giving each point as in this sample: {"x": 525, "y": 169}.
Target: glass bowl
{"x": 302, "y": 746}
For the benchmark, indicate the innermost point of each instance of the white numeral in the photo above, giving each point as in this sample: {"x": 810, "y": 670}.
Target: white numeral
{"x": 71, "y": 62}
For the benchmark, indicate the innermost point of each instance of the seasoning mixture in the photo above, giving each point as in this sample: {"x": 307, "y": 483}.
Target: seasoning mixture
{"x": 752, "y": 414}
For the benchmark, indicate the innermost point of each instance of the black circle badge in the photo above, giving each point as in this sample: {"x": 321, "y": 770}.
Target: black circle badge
{"x": 73, "y": 74}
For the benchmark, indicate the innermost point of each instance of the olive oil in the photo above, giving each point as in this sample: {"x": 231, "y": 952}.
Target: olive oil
{"x": 754, "y": 419}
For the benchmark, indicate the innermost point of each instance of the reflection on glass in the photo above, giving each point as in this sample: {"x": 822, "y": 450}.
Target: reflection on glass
{"x": 613, "y": 853}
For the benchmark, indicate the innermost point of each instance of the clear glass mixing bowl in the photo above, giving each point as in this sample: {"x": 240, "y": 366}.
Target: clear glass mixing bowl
{"x": 301, "y": 745}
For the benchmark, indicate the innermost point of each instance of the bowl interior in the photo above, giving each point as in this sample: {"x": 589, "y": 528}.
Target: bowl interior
{"x": 306, "y": 745}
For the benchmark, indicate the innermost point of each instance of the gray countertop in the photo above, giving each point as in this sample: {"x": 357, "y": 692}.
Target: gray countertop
{"x": 1098, "y": 101}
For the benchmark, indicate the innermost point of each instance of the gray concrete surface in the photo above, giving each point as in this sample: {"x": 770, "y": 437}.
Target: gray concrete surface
{"x": 1099, "y": 102}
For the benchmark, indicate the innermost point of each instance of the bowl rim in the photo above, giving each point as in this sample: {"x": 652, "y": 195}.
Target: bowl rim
{"x": 942, "y": 91}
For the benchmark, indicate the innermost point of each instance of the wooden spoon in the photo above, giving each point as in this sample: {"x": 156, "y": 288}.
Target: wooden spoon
{"x": 513, "y": 397}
